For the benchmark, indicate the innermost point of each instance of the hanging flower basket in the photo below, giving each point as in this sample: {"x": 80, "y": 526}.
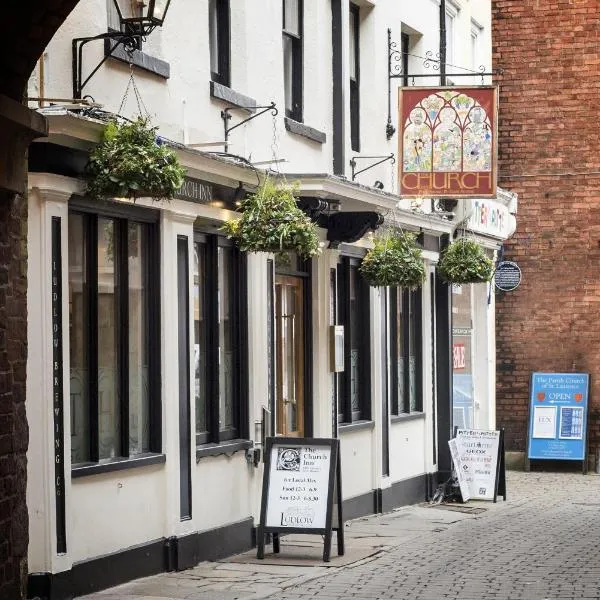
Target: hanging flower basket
{"x": 129, "y": 163}
{"x": 395, "y": 260}
{"x": 272, "y": 222}
{"x": 465, "y": 261}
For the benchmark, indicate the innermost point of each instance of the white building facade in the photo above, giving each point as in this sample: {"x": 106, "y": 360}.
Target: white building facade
{"x": 160, "y": 356}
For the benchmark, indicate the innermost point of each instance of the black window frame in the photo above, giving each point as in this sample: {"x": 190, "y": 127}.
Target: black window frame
{"x": 355, "y": 82}
{"x": 223, "y": 18}
{"x": 412, "y": 326}
{"x": 122, "y": 216}
{"x": 297, "y": 43}
{"x": 346, "y": 414}
{"x": 238, "y": 281}
{"x": 404, "y": 49}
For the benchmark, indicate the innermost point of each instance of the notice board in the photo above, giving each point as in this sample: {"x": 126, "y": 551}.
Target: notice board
{"x": 482, "y": 461}
{"x": 301, "y": 486}
{"x": 558, "y": 414}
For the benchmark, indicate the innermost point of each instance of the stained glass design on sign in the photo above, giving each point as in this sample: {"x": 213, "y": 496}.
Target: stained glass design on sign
{"x": 448, "y": 142}
{"x": 447, "y": 131}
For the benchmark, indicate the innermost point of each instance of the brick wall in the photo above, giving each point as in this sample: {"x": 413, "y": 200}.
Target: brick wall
{"x": 548, "y": 130}
{"x": 13, "y": 423}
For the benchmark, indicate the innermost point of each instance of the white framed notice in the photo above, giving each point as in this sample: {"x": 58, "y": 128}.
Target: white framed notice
{"x": 298, "y": 486}
{"x": 478, "y": 450}
{"x": 301, "y": 484}
{"x": 459, "y": 467}
{"x": 544, "y": 422}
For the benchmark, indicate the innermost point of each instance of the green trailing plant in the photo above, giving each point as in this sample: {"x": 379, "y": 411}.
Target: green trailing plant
{"x": 465, "y": 261}
{"x": 394, "y": 260}
{"x": 272, "y": 222}
{"x": 130, "y": 163}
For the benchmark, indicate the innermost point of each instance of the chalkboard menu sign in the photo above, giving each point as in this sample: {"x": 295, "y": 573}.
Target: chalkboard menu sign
{"x": 301, "y": 484}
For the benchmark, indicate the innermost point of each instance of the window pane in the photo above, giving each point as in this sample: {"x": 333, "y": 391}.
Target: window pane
{"x": 288, "y": 72}
{"x": 78, "y": 340}
{"x": 355, "y": 326}
{"x": 213, "y": 35}
{"x": 139, "y": 400}
{"x": 449, "y": 39}
{"x": 226, "y": 345}
{"x": 412, "y": 354}
{"x": 200, "y": 337}
{"x": 108, "y": 397}
{"x": 352, "y": 44}
{"x": 291, "y": 20}
{"x": 400, "y": 357}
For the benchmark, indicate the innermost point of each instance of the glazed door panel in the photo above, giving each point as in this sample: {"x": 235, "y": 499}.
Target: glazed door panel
{"x": 289, "y": 355}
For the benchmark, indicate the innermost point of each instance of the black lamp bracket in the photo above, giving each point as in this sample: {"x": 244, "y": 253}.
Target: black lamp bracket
{"x": 430, "y": 61}
{"x": 382, "y": 159}
{"x": 129, "y": 41}
{"x": 226, "y": 116}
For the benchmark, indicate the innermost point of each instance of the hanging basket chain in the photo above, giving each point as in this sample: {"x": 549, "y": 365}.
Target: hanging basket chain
{"x": 141, "y": 106}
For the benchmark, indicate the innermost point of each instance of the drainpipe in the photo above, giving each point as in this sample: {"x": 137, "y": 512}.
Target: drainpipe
{"x": 339, "y": 82}
{"x": 442, "y": 42}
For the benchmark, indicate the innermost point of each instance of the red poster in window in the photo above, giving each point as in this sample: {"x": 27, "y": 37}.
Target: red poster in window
{"x": 448, "y": 142}
{"x": 458, "y": 356}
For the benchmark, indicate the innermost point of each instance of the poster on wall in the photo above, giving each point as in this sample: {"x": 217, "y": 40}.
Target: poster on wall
{"x": 301, "y": 485}
{"x": 558, "y": 412}
{"x": 448, "y": 142}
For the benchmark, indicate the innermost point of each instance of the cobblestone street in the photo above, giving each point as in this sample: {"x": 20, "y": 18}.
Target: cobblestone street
{"x": 542, "y": 543}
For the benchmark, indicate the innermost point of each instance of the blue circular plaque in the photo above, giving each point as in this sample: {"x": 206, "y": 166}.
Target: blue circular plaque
{"x": 507, "y": 276}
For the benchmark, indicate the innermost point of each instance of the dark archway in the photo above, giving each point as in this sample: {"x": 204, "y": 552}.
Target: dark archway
{"x": 25, "y": 30}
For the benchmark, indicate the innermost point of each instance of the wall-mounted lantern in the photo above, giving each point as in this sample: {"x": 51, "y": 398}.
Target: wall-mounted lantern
{"x": 137, "y": 19}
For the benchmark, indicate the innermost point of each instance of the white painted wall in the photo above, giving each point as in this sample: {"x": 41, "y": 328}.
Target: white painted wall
{"x": 183, "y": 109}
{"x": 358, "y": 471}
{"x": 113, "y": 511}
{"x": 143, "y": 504}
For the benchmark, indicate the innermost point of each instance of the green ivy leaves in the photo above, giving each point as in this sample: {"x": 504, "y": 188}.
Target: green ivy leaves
{"x": 129, "y": 163}
{"x": 395, "y": 260}
{"x": 465, "y": 261}
{"x": 272, "y": 222}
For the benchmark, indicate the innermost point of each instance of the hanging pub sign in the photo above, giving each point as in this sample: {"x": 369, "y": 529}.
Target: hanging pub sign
{"x": 448, "y": 142}
{"x": 558, "y": 413}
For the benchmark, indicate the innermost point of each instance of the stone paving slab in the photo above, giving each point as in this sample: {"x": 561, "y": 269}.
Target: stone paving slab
{"x": 543, "y": 543}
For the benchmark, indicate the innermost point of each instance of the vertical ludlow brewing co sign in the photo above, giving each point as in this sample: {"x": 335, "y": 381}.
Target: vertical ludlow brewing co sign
{"x": 448, "y": 142}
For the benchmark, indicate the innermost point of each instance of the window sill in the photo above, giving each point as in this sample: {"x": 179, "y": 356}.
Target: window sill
{"x": 356, "y": 426}
{"x": 222, "y": 92}
{"x": 140, "y": 59}
{"x": 408, "y": 417}
{"x": 305, "y": 131}
{"x": 228, "y": 447}
{"x": 117, "y": 464}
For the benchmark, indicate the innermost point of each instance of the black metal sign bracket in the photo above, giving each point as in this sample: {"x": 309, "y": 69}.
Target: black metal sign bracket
{"x": 382, "y": 159}
{"x": 429, "y": 62}
{"x": 226, "y": 116}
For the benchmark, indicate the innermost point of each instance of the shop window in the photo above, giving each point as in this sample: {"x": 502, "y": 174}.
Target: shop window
{"x": 354, "y": 399}
{"x": 406, "y": 351}
{"x": 219, "y": 41}
{"x": 292, "y": 58}
{"x": 113, "y": 333}
{"x": 462, "y": 356}
{"x": 219, "y": 339}
{"x": 354, "y": 37}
